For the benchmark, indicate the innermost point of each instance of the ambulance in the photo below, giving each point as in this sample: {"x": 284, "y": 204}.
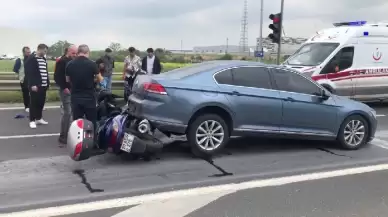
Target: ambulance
{"x": 350, "y": 59}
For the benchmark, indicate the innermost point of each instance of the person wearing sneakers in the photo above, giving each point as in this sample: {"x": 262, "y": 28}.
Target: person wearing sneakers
{"x": 64, "y": 92}
{"x": 18, "y": 68}
{"x": 38, "y": 83}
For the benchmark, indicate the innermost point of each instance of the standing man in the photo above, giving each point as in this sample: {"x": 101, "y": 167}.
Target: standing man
{"x": 132, "y": 66}
{"x": 151, "y": 63}
{"x": 82, "y": 73}
{"x": 38, "y": 83}
{"x": 107, "y": 64}
{"x": 18, "y": 68}
{"x": 64, "y": 92}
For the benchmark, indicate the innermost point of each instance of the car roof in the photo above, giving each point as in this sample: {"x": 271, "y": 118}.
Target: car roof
{"x": 222, "y": 64}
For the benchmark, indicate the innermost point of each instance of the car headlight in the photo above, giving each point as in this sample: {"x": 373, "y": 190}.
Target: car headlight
{"x": 373, "y": 113}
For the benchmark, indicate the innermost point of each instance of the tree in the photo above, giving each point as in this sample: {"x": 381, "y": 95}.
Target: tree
{"x": 58, "y": 48}
{"x": 115, "y": 46}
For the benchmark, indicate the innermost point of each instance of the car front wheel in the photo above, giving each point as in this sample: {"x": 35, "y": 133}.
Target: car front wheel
{"x": 207, "y": 135}
{"x": 354, "y": 133}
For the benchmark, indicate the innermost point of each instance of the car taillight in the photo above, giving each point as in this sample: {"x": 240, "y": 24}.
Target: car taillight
{"x": 154, "y": 88}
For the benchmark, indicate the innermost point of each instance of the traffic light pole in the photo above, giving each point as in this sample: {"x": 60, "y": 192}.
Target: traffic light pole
{"x": 261, "y": 30}
{"x": 281, "y": 29}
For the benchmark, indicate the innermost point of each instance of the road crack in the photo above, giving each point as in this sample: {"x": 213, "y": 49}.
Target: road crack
{"x": 333, "y": 153}
{"x": 223, "y": 171}
{"x": 81, "y": 174}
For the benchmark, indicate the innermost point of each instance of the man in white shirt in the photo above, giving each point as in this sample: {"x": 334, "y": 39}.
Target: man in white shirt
{"x": 132, "y": 66}
{"x": 151, "y": 63}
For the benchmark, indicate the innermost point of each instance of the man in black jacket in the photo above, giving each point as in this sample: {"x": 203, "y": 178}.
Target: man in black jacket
{"x": 151, "y": 63}
{"x": 18, "y": 68}
{"x": 38, "y": 83}
{"x": 64, "y": 91}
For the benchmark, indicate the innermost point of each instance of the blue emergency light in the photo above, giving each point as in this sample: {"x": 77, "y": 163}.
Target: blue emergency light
{"x": 353, "y": 23}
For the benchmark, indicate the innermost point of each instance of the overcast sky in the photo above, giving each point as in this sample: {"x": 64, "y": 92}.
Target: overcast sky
{"x": 164, "y": 23}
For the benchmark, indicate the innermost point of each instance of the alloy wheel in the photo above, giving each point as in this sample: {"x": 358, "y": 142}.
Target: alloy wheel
{"x": 209, "y": 135}
{"x": 354, "y": 133}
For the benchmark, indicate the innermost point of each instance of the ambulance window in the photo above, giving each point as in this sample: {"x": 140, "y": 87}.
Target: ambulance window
{"x": 343, "y": 59}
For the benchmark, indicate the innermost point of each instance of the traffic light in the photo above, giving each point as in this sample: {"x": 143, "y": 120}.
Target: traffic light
{"x": 275, "y": 27}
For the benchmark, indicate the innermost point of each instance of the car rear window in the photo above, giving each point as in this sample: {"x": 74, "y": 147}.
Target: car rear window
{"x": 188, "y": 70}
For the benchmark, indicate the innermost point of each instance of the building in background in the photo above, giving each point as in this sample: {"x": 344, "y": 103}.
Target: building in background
{"x": 289, "y": 46}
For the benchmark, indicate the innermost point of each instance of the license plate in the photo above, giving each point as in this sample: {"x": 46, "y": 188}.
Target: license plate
{"x": 126, "y": 145}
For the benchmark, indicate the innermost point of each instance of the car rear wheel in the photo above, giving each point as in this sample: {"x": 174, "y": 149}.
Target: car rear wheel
{"x": 207, "y": 135}
{"x": 354, "y": 133}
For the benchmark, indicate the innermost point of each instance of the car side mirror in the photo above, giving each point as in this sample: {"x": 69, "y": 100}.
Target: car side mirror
{"x": 325, "y": 94}
{"x": 322, "y": 95}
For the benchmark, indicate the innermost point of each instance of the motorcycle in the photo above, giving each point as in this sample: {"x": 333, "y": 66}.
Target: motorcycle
{"x": 117, "y": 132}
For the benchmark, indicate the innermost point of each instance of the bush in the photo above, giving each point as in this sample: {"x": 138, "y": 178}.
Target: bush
{"x": 7, "y": 66}
{"x": 226, "y": 57}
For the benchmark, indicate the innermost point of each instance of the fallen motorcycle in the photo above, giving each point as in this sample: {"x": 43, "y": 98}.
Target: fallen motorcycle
{"x": 118, "y": 132}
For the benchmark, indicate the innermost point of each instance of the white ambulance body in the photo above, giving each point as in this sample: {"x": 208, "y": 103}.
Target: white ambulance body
{"x": 350, "y": 59}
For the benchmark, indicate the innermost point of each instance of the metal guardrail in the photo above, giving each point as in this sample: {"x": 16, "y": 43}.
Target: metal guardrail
{"x": 9, "y": 82}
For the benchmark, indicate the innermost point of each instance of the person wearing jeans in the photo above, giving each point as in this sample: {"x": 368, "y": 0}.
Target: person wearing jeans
{"x": 107, "y": 64}
{"x": 38, "y": 83}
{"x": 64, "y": 92}
{"x": 18, "y": 68}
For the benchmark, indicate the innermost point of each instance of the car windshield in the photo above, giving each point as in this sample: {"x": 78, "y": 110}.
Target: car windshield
{"x": 188, "y": 70}
{"x": 312, "y": 54}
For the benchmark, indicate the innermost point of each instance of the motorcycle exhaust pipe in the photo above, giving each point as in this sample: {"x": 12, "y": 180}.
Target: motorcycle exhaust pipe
{"x": 144, "y": 126}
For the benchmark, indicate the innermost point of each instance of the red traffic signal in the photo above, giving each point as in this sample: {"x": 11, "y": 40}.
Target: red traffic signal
{"x": 275, "y": 27}
{"x": 275, "y": 17}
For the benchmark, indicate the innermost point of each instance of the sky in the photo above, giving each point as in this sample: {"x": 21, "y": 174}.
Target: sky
{"x": 169, "y": 23}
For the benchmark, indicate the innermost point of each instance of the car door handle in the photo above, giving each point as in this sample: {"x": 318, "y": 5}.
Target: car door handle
{"x": 290, "y": 99}
{"x": 236, "y": 93}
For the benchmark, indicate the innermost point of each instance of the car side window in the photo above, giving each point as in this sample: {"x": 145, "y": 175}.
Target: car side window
{"x": 224, "y": 77}
{"x": 257, "y": 77}
{"x": 341, "y": 61}
{"x": 293, "y": 82}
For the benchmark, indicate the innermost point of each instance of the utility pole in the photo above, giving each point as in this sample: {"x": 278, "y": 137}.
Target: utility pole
{"x": 260, "y": 47}
{"x": 227, "y": 45}
{"x": 281, "y": 27}
{"x": 181, "y": 46}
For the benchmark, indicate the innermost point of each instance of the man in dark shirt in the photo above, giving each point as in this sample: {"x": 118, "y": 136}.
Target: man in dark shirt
{"x": 38, "y": 83}
{"x": 82, "y": 73}
{"x": 107, "y": 64}
{"x": 64, "y": 92}
{"x": 18, "y": 68}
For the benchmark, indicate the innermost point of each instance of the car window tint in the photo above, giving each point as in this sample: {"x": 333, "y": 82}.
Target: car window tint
{"x": 224, "y": 77}
{"x": 252, "y": 77}
{"x": 293, "y": 82}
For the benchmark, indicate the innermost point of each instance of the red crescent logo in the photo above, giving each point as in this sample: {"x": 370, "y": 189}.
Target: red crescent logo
{"x": 377, "y": 55}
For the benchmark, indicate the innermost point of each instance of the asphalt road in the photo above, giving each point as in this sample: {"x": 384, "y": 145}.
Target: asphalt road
{"x": 363, "y": 195}
{"x": 35, "y": 172}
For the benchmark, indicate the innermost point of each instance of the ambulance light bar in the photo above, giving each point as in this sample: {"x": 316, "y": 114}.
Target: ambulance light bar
{"x": 354, "y": 23}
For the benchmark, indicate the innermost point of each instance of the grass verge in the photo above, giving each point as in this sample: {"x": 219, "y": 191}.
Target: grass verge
{"x": 16, "y": 96}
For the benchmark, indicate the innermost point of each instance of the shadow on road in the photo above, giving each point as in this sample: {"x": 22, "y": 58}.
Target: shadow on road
{"x": 236, "y": 147}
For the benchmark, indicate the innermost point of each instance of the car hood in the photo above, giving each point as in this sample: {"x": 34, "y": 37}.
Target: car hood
{"x": 355, "y": 105}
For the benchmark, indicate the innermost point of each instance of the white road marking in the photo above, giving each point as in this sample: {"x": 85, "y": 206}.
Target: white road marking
{"x": 177, "y": 207}
{"x": 380, "y": 115}
{"x": 22, "y": 108}
{"x": 29, "y": 136}
{"x": 380, "y": 143}
{"x": 165, "y": 196}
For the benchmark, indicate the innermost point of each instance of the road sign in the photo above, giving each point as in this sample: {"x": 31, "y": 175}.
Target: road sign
{"x": 259, "y": 53}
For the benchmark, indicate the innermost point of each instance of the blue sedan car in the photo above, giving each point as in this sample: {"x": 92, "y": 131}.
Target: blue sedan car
{"x": 211, "y": 101}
